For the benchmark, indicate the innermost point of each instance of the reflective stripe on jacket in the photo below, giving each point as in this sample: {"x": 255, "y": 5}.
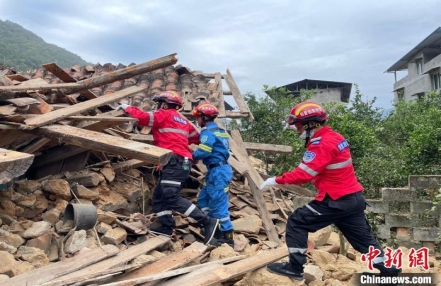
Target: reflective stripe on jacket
{"x": 214, "y": 146}
{"x": 170, "y": 130}
{"x": 328, "y": 163}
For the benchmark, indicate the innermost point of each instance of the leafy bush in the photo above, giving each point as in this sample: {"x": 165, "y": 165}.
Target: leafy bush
{"x": 385, "y": 150}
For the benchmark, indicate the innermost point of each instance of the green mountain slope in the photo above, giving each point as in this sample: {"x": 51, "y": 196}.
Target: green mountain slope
{"x": 23, "y": 50}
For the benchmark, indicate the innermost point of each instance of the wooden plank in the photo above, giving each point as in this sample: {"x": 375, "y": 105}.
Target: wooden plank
{"x": 65, "y": 77}
{"x": 127, "y": 165}
{"x": 52, "y": 271}
{"x": 36, "y": 145}
{"x": 102, "y": 142}
{"x": 237, "y": 95}
{"x": 59, "y": 114}
{"x": 120, "y": 74}
{"x": 120, "y": 259}
{"x": 40, "y": 87}
{"x": 238, "y": 166}
{"x": 102, "y": 118}
{"x": 59, "y": 72}
{"x": 267, "y": 147}
{"x": 170, "y": 262}
{"x": 176, "y": 272}
{"x": 13, "y": 164}
{"x": 254, "y": 180}
{"x": 57, "y": 154}
{"x": 218, "y": 81}
{"x": 228, "y": 272}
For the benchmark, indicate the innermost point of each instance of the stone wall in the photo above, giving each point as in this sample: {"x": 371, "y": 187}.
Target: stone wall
{"x": 404, "y": 210}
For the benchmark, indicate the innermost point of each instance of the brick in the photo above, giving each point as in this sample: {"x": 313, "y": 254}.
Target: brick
{"x": 403, "y": 231}
{"x": 396, "y": 194}
{"x": 427, "y": 234}
{"x": 378, "y": 206}
{"x": 430, "y": 245}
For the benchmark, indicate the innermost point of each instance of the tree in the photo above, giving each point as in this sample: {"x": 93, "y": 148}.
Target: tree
{"x": 385, "y": 151}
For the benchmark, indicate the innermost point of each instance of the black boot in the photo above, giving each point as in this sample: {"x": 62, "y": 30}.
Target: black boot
{"x": 209, "y": 226}
{"x": 387, "y": 271}
{"x": 227, "y": 237}
{"x": 285, "y": 269}
{"x": 160, "y": 229}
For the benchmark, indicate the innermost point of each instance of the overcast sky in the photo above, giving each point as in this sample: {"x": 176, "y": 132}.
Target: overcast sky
{"x": 273, "y": 42}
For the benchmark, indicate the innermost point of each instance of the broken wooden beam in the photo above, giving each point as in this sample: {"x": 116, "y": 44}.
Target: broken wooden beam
{"x": 218, "y": 81}
{"x": 171, "y": 273}
{"x": 167, "y": 263}
{"x": 228, "y": 272}
{"x": 65, "y": 77}
{"x": 120, "y": 74}
{"x": 117, "y": 260}
{"x": 13, "y": 164}
{"x": 237, "y": 95}
{"x": 59, "y": 114}
{"x": 102, "y": 142}
{"x": 55, "y": 270}
{"x": 57, "y": 154}
{"x": 127, "y": 72}
{"x": 267, "y": 147}
{"x": 254, "y": 180}
{"x": 127, "y": 165}
{"x": 102, "y": 118}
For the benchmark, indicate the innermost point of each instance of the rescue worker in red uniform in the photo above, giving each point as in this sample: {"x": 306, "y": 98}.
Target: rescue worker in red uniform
{"x": 327, "y": 162}
{"x": 174, "y": 132}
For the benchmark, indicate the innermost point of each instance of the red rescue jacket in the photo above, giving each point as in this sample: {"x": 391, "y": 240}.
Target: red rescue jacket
{"x": 170, "y": 130}
{"x": 328, "y": 163}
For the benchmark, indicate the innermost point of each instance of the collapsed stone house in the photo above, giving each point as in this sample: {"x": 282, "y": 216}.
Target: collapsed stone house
{"x": 65, "y": 144}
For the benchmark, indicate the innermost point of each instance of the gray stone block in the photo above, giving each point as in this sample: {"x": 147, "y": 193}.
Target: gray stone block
{"x": 424, "y": 182}
{"x": 409, "y": 244}
{"x": 396, "y": 194}
{"x": 383, "y": 232}
{"x": 395, "y": 220}
{"x": 378, "y": 206}
{"x": 427, "y": 234}
{"x": 420, "y": 207}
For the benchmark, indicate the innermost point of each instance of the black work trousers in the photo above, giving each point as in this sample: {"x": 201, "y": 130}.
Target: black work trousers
{"x": 167, "y": 197}
{"x": 347, "y": 213}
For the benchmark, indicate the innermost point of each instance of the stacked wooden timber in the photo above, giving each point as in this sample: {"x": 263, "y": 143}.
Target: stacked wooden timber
{"x": 64, "y": 142}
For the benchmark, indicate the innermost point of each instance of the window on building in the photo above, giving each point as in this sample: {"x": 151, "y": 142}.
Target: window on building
{"x": 400, "y": 93}
{"x": 420, "y": 95}
{"x": 419, "y": 66}
{"x": 436, "y": 80}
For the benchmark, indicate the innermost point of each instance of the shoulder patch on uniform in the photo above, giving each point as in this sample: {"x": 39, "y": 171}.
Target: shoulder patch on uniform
{"x": 343, "y": 145}
{"x": 308, "y": 156}
{"x": 204, "y": 138}
{"x": 179, "y": 119}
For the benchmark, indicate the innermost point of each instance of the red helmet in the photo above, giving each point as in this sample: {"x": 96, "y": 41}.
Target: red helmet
{"x": 206, "y": 109}
{"x": 171, "y": 97}
{"x": 306, "y": 111}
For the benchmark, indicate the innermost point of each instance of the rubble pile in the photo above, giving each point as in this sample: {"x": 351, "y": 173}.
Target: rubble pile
{"x": 77, "y": 177}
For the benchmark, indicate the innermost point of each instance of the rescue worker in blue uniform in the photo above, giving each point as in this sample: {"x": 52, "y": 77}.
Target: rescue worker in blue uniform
{"x": 213, "y": 150}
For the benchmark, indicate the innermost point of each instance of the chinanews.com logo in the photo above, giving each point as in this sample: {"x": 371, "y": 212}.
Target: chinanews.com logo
{"x": 416, "y": 258}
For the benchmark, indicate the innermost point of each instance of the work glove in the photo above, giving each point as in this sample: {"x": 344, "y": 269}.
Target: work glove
{"x": 122, "y": 106}
{"x": 268, "y": 183}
